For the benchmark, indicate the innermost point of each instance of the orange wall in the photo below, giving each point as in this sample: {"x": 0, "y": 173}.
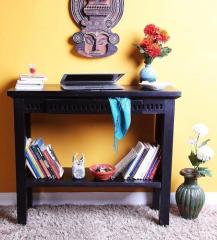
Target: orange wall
{"x": 33, "y": 31}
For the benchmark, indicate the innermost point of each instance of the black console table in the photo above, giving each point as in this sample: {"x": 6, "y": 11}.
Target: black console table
{"x": 54, "y": 100}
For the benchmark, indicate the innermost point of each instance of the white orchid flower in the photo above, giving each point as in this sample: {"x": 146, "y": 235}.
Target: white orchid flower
{"x": 201, "y": 129}
{"x": 205, "y": 153}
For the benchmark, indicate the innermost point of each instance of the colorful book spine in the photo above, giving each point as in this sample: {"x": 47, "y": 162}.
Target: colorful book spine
{"x": 155, "y": 169}
{"x": 44, "y": 158}
{"x": 133, "y": 172}
{"x": 38, "y": 155}
{"x": 38, "y": 161}
{"x": 47, "y": 173}
{"x": 55, "y": 160}
{"x": 28, "y": 159}
{"x": 51, "y": 163}
{"x": 30, "y": 168}
{"x": 150, "y": 161}
{"x": 122, "y": 164}
{"x": 154, "y": 162}
{"x": 35, "y": 162}
{"x": 39, "y": 143}
{"x": 142, "y": 166}
{"x": 47, "y": 156}
{"x": 139, "y": 149}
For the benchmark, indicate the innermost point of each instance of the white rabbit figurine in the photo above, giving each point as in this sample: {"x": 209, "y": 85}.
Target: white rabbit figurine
{"x": 78, "y": 169}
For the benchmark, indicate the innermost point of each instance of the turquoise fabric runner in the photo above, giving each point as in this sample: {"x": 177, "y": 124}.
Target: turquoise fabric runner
{"x": 121, "y": 113}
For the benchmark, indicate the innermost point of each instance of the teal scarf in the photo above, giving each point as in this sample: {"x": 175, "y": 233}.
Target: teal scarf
{"x": 121, "y": 113}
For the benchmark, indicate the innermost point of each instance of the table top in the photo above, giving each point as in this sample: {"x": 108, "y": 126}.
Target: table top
{"x": 55, "y": 91}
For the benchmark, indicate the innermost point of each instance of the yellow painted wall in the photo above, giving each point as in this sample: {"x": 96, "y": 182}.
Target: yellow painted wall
{"x": 38, "y": 31}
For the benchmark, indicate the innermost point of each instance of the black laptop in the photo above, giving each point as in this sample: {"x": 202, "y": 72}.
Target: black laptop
{"x": 91, "y": 81}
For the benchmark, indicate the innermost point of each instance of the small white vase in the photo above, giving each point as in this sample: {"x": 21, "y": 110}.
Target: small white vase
{"x": 78, "y": 169}
{"x": 147, "y": 74}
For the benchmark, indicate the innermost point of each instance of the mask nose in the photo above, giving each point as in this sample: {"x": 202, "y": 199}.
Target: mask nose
{"x": 94, "y": 46}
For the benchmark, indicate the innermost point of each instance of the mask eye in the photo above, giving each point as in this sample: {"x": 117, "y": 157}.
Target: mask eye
{"x": 89, "y": 40}
{"x": 103, "y": 41}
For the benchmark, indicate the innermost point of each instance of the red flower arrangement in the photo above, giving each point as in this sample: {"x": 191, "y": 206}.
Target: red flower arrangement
{"x": 152, "y": 44}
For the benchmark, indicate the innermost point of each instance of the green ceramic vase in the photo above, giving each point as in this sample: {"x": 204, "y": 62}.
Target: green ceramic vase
{"x": 190, "y": 197}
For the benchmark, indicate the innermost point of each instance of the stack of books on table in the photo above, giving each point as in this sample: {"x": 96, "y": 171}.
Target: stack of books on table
{"x": 141, "y": 163}
{"x": 41, "y": 160}
{"x": 30, "y": 82}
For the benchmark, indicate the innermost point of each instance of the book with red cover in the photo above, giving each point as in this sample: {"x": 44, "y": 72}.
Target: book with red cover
{"x": 50, "y": 161}
{"x": 153, "y": 173}
{"x": 44, "y": 150}
{"x": 41, "y": 163}
{"x": 40, "y": 158}
{"x": 55, "y": 160}
{"x": 35, "y": 162}
{"x": 49, "y": 166}
{"x": 154, "y": 162}
{"x": 48, "y": 156}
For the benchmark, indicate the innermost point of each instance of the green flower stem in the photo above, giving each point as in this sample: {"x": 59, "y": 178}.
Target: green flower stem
{"x": 148, "y": 60}
{"x": 196, "y": 144}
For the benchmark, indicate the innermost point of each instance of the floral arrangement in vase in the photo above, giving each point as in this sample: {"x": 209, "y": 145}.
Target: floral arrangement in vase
{"x": 201, "y": 152}
{"x": 151, "y": 47}
{"x": 152, "y": 44}
{"x": 190, "y": 197}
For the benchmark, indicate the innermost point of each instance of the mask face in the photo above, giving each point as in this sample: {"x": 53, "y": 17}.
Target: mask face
{"x": 96, "y": 18}
{"x": 95, "y": 45}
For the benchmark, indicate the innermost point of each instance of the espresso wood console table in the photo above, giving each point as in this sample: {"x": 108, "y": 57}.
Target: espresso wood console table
{"x": 54, "y": 100}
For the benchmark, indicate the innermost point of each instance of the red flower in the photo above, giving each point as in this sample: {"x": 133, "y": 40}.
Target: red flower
{"x": 151, "y": 30}
{"x": 152, "y": 44}
{"x": 153, "y": 50}
{"x": 163, "y": 36}
{"x": 146, "y": 42}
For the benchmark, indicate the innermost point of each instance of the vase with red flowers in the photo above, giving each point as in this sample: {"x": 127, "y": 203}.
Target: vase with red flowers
{"x": 151, "y": 47}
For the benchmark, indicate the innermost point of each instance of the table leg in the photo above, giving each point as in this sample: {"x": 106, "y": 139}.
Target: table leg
{"x": 28, "y": 135}
{"x": 20, "y": 135}
{"x": 29, "y": 197}
{"x": 156, "y": 199}
{"x": 158, "y": 137}
{"x": 166, "y": 123}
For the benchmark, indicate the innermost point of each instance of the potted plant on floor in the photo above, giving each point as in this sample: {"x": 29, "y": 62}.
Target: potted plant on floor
{"x": 190, "y": 196}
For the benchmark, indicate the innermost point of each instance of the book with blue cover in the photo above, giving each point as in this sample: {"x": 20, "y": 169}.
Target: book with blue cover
{"x": 142, "y": 157}
{"x": 38, "y": 164}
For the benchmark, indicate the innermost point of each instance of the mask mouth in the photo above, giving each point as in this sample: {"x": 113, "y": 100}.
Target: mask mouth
{"x": 97, "y": 53}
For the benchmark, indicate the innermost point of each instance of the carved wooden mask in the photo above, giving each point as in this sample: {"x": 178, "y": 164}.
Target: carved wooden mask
{"x": 96, "y": 18}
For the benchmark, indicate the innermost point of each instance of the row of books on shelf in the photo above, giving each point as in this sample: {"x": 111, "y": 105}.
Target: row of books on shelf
{"x": 41, "y": 160}
{"x": 31, "y": 82}
{"x": 141, "y": 163}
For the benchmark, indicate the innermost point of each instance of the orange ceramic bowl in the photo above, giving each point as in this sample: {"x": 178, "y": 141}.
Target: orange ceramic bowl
{"x": 102, "y": 171}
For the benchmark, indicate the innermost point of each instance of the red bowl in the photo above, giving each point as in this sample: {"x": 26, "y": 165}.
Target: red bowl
{"x": 102, "y": 175}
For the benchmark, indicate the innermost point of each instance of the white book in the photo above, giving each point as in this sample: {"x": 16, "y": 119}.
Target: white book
{"x": 32, "y": 76}
{"x": 30, "y": 168}
{"x": 119, "y": 167}
{"x": 29, "y": 87}
{"x": 139, "y": 148}
{"x": 149, "y": 162}
{"x": 143, "y": 165}
{"x": 54, "y": 158}
{"x": 30, "y": 81}
{"x": 28, "y": 142}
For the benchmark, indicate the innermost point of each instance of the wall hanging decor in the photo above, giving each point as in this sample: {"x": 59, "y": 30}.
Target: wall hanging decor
{"x": 96, "y": 18}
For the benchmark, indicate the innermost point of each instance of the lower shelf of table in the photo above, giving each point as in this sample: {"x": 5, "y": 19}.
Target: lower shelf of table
{"x": 89, "y": 181}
